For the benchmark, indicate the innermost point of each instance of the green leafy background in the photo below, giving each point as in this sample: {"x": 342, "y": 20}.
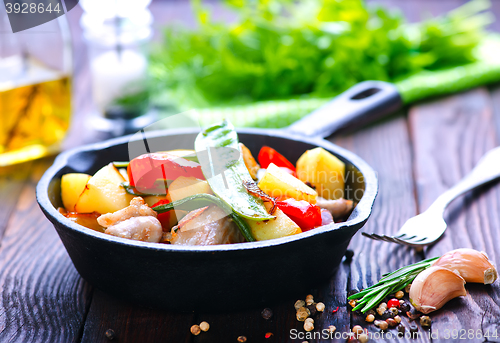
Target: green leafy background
{"x": 282, "y": 59}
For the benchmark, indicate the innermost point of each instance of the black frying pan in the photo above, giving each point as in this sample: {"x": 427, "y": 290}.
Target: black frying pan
{"x": 224, "y": 276}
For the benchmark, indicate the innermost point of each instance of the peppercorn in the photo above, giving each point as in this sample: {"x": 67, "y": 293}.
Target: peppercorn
{"x": 405, "y": 307}
{"x": 383, "y": 305}
{"x": 363, "y": 338}
{"x": 391, "y": 322}
{"x": 399, "y": 295}
{"x": 380, "y": 311}
{"x": 308, "y": 326}
{"x": 425, "y": 321}
{"x": 242, "y": 339}
{"x": 348, "y": 256}
{"x": 387, "y": 314}
{"x": 401, "y": 328}
{"x": 352, "y": 303}
{"x": 371, "y": 312}
{"x": 110, "y": 334}
{"x": 407, "y": 288}
{"x": 394, "y": 311}
{"x": 370, "y": 318}
{"x": 309, "y": 320}
{"x": 312, "y": 309}
{"x": 397, "y": 319}
{"x": 357, "y": 329}
{"x": 302, "y": 314}
{"x": 309, "y": 299}
{"x": 352, "y": 339}
{"x": 204, "y": 326}
{"x": 320, "y": 307}
{"x": 352, "y": 292}
{"x": 413, "y": 314}
{"x": 266, "y": 313}
{"x": 413, "y": 328}
{"x": 383, "y": 325}
{"x": 393, "y": 303}
{"x": 195, "y": 330}
{"x": 299, "y": 304}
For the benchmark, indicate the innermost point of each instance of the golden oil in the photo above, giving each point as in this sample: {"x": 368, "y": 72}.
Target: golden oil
{"x": 35, "y": 111}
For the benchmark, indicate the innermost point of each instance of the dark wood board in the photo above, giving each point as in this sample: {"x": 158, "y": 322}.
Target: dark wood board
{"x": 43, "y": 299}
{"x": 449, "y": 137}
{"x": 387, "y": 148}
{"x": 283, "y": 325}
{"x": 132, "y": 323}
{"x": 12, "y": 180}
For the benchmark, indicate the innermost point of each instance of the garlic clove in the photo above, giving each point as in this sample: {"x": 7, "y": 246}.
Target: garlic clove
{"x": 474, "y": 266}
{"x": 434, "y": 287}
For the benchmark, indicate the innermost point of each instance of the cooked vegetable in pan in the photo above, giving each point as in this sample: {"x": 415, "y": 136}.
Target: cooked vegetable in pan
{"x": 215, "y": 194}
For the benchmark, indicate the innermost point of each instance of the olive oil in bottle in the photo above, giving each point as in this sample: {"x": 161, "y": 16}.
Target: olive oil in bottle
{"x": 34, "y": 109}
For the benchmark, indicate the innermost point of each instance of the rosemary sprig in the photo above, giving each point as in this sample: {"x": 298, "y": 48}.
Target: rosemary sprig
{"x": 388, "y": 284}
{"x": 198, "y": 200}
{"x": 132, "y": 191}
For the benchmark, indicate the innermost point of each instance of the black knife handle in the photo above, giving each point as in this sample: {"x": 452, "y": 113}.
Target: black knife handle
{"x": 363, "y": 103}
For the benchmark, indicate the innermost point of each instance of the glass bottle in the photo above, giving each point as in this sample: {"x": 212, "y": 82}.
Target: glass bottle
{"x": 35, "y": 89}
{"x": 117, "y": 33}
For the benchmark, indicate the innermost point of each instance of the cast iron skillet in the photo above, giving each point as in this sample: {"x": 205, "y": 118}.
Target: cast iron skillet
{"x": 224, "y": 276}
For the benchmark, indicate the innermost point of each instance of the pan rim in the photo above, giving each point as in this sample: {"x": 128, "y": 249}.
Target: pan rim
{"x": 360, "y": 214}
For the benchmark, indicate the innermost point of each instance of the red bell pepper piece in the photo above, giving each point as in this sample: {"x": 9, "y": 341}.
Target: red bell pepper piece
{"x": 268, "y": 155}
{"x": 163, "y": 218}
{"x": 144, "y": 171}
{"x": 304, "y": 214}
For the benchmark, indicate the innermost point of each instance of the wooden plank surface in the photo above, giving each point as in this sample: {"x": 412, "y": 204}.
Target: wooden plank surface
{"x": 12, "y": 181}
{"x": 449, "y": 137}
{"x": 132, "y": 323}
{"x": 387, "y": 148}
{"x": 43, "y": 298}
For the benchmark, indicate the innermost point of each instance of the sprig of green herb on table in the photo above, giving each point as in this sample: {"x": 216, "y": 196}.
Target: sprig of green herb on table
{"x": 389, "y": 284}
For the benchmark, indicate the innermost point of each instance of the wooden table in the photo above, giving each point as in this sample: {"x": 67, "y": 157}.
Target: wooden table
{"x": 418, "y": 153}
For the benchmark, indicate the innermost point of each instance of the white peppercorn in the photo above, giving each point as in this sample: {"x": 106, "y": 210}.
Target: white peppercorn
{"x": 195, "y": 330}
{"x": 320, "y": 307}
{"x": 204, "y": 326}
{"x": 357, "y": 329}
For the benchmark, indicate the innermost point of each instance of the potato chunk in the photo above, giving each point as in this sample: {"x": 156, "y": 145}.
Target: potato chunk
{"x": 278, "y": 183}
{"x": 282, "y": 226}
{"x": 72, "y": 186}
{"x": 104, "y": 193}
{"x": 324, "y": 171}
{"x": 183, "y": 187}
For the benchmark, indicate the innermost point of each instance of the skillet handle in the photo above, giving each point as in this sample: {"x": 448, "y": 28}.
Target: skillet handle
{"x": 363, "y": 103}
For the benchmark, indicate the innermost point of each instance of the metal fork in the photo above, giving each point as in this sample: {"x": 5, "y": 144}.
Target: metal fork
{"x": 427, "y": 227}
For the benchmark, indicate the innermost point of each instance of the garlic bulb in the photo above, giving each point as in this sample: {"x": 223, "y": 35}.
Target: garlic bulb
{"x": 474, "y": 266}
{"x": 434, "y": 287}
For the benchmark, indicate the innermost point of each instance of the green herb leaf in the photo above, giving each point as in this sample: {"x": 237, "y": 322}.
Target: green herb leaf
{"x": 390, "y": 283}
{"x": 200, "y": 200}
{"x": 281, "y": 49}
